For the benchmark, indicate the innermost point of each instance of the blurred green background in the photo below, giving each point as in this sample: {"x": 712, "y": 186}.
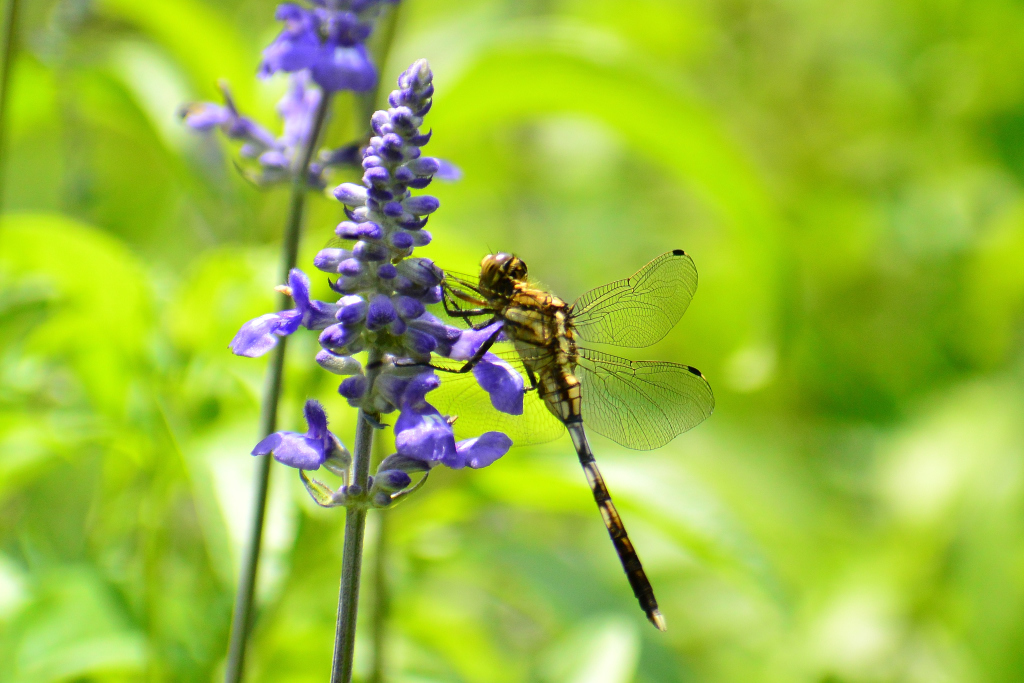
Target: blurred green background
{"x": 849, "y": 178}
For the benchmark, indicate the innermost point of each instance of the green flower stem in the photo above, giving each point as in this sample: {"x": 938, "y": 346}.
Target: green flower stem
{"x": 10, "y": 28}
{"x": 242, "y": 622}
{"x": 381, "y": 599}
{"x": 355, "y": 525}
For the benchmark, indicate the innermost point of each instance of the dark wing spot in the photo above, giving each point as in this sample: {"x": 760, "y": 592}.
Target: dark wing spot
{"x": 695, "y": 371}
{"x": 678, "y": 252}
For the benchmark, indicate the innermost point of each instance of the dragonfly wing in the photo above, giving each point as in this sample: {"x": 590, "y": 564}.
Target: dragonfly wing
{"x": 462, "y": 398}
{"x": 641, "y": 309}
{"x": 641, "y": 404}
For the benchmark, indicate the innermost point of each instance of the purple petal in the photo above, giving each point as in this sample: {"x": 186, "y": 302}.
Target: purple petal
{"x": 414, "y": 395}
{"x": 424, "y": 436}
{"x": 504, "y": 384}
{"x": 299, "y": 284}
{"x": 471, "y": 340}
{"x": 296, "y": 450}
{"x": 481, "y": 451}
{"x": 448, "y": 171}
{"x": 259, "y": 335}
{"x": 343, "y": 68}
{"x": 267, "y": 445}
{"x": 205, "y": 116}
{"x": 316, "y": 419}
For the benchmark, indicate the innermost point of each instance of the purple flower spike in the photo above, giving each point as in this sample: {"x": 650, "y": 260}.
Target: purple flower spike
{"x": 384, "y": 290}
{"x": 327, "y": 43}
{"x": 304, "y": 451}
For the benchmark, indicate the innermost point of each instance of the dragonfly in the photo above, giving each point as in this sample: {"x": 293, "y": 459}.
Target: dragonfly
{"x": 641, "y": 405}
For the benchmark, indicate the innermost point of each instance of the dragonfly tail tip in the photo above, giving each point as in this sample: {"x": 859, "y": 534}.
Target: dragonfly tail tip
{"x": 658, "y": 619}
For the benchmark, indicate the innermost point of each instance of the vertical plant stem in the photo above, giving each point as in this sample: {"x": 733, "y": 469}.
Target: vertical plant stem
{"x": 242, "y": 621}
{"x": 355, "y": 525}
{"x": 381, "y": 599}
{"x": 10, "y": 33}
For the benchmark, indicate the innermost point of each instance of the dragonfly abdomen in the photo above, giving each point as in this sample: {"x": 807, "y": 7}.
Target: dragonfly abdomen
{"x": 631, "y": 564}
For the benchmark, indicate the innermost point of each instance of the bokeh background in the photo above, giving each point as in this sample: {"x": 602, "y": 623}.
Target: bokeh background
{"x": 849, "y": 178}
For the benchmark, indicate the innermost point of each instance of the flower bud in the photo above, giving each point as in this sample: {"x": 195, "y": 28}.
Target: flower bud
{"x": 350, "y": 194}
{"x": 339, "y": 365}
{"x": 350, "y": 267}
{"x": 380, "y": 313}
{"x": 407, "y": 307}
{"x": 419, "y": 342}
{"x": 328, "y": 260}
{"x": 421, "y": 271}
{"x": 352, "y": 309}
{"x": 370, "y": 251}
{"x": 391, "y": 480}
{"x": 401, "y": 240}
{"x": 377, "y": 176}
{"x": 397, "y": 327}
{"x": 421, "y": 205}
{"x": 424, "y": 166}
{"x": 353, "y": 387}
{"x": 378, "y": 119}
{"x": 337, "y": 338}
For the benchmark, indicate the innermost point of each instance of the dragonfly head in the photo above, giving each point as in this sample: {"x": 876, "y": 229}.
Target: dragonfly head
{"x": 499, "y": 273}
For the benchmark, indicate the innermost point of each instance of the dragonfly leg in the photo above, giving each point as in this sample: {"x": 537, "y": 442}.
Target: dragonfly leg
{"x": 465, "y": 297}
{"x": 479, "y": 326}
{"x": 484, "y": 348}
{"x": 533, "y": 379}
{"x": 469, "y": 312}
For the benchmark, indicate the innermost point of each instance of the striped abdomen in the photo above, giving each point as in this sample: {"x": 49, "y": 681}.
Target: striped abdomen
{"x": 638, "y": 580}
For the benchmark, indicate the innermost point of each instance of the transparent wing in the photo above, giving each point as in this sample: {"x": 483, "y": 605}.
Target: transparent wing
{"x": 641, "y": 404}
{"x": 641, "y": 309}
{"x": 461, "y": 397}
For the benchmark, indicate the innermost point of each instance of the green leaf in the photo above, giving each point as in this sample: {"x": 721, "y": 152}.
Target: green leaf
{"x": 202, "y": 40}
{"x": 99, "y": 295}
